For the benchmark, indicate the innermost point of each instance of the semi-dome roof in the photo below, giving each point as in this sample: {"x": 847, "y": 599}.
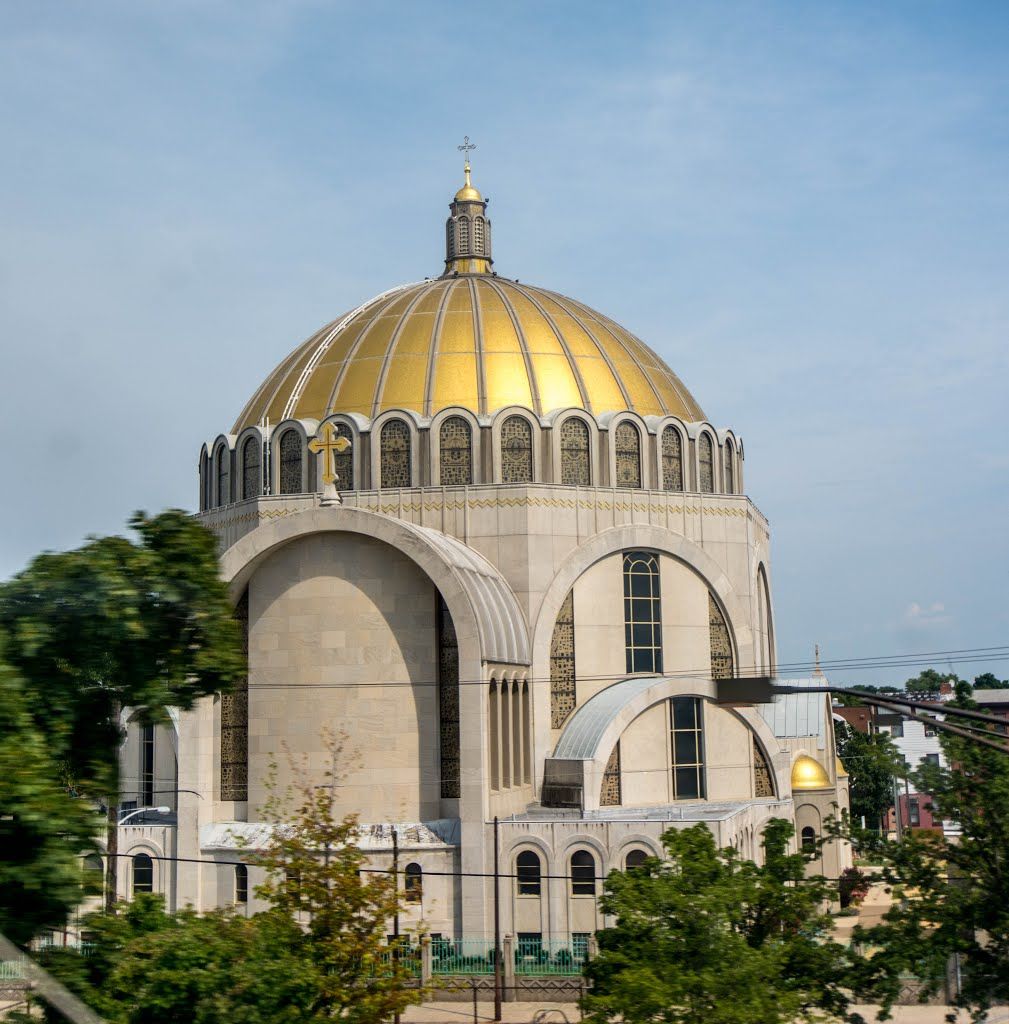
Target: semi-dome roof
{"x": 477, "y": 341}
{"x": 470, "y": 339}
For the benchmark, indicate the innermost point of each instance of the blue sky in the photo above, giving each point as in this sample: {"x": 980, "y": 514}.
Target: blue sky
{"x": 803, "y": 207}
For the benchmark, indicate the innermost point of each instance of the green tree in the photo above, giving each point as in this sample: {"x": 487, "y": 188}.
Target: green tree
{"x": 956, "y": 893}
{"x": 929, "y": 681}
{"x": 990, "y": 681}
{"x": 872, "y": 761}
{"x": 707, "y": 937}
{"x": 119, "y": 623}
{"x": 43, "y": 830}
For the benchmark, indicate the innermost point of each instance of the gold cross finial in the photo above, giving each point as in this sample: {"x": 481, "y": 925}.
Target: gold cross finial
{"x": 330, "y": 443}
{"x": 466, "y": 148}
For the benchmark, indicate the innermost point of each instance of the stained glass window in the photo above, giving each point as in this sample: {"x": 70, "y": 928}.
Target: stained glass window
{"x": 343, "y": 462}
{"x": 721, "y": 644}
{"x": 642, "y": 612}
{"x": 686, "y": 722}
{"x": 448, "y": 701}
{"x": 672, "y": 460}
{"x": 610, "y": 795}
{"x": 562, "y": 663}
{"x": 235, "y": 722}
{"x": 730, "y": 475}
{"x": 516, "y": 450}
{"x": 291, "y": 456}
{"x": 395, "y": 454}
{"x": 762, "y": 785}
{"x": 252, "y": 483}
{"x": 456, "y": 452}
{"x": 705, "y": 460}
{"x": 223, "y": 475}
{"x": 575, "y": 452}
{"x": 627, "y": 444}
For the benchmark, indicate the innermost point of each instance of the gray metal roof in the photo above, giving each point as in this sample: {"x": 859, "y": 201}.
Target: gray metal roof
{"x": 586, "y": 726}
{"x": 793, "y": 715}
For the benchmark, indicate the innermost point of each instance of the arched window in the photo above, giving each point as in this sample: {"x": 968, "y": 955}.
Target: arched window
{"x": 642, "y": 612}
{"x": 464, "y": 235}
{"x": 394, "y": 453}
{"x": 478, "y": 236}
{"x": 575, "y": 463}
{"x": 448, "y": 702}
{"x": 252, "y": 484}
{"x": 808, "y": 839}
{"x": 223, "y": 475}
{"x": 730, "y": 470}
{"x": 627, "y": 444}
{"x": 686, "y": 724}
{"x": 635, "y": 859}
{"x": 204, "y": 482}
{"x": 706, "y": 465}
{"x": 343, "y": 462}
{"x": 414, "y": 883}
{"x": 241, "y": 883}
{"x": 722, "y": 666}
{"x": 456, "y": 452}
{"x": 583, "y": 873}
{"x": 516, "y": 450}
{"x": 562, "y": 663}
{"x": 528, "y": 872}
{"x": 672, "y": 460}
{"x": 495, "y": 738}
{"x": 93, "y": 865}
{"x": 450, "y": 238}
{"x": 290, "y": 462}
{"x": 143, "y": 874}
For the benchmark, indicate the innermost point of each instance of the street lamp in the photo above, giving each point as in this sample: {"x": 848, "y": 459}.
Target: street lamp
{"x": 142, "y": 810}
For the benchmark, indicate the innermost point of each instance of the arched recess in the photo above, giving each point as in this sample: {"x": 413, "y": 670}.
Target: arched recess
{"x": 765, "y": 624}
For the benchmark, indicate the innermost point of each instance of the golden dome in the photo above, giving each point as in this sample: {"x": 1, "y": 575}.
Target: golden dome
{"x": 808, "y": 773}
{"x": 468, "y": 194}
{"x": 481, "y": 342}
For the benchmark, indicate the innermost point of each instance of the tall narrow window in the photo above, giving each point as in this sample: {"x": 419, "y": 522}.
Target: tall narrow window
{"x": 495, "y": 737}
{"x": 241, "y": 883}
{"x": 204, "y": 482}
{"x": 527, "y": 733}
{"x": 762, "y": 784}
{"x": 562, "y": 663}
{"x": 448, "y": 702}
{"x": 343, "y": 462}
{"x": 223, "y": 475}
{"x": 583, "y": 873}
{"x": 143, "y": 873}
{"x": 290, "y": 462}
{"x": 147, "y": 766}
{"x": 456, "y": 452}
{"x": 642, "y": 612}
{"x": 394, "y": 452}
{"x": 706, "y": 464}
{"x": 235, "y": 721}
{"x": 721, "y": 644}
{"x": 516, "y": 450}
{"x": 517, "y": 736}
{"x": 730, "y": 469}
{"x": 610, "y": 794}
{"x": 627, "y": 444}
{"x": 464, "y": 234}
{"x": 528, "y": 872}
{"x": 575, "y": 462}
{"x": 252, "y": 454}
{"x": 414, "y": 883}
{"x": 672, "y": 460}
{"x": 687, "y": 736}
{"x": 808, "y": 839}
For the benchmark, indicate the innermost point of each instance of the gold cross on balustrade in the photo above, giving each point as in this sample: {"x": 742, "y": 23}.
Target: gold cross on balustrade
{"x": 332, "y": 444}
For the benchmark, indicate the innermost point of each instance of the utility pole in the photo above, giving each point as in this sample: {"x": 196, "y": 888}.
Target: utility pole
{"x": 395, "y": 917}
{"x": 497, "y": 923}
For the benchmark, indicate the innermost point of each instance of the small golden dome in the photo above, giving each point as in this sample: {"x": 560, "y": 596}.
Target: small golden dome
{"x": 468, "y": 194}
{"x": 841, "y": 770}
{"x": 808, "y": 773}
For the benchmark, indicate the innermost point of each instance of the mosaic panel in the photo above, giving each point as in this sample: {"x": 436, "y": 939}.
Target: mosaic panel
{"x": 235, "y": 722}
{"x": 610, "y": 795}
{"x": 290, "y": 462}
{"x": 672, "y": 460}
{"x": 516, "y": 450}
{"x": 456, "y": 452}
{"x": 627, "y": 445}
{"x": 562, "y": 664}
{"x": 448, "y": 702}
{"x": 575, "y": 453}
{"x": 762, "y": 785}
{"x": 721, "y": 646}
{"x": 395, "y": 454}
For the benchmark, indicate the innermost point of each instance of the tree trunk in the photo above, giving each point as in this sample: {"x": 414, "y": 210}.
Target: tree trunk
{"x": 112, "y": 831}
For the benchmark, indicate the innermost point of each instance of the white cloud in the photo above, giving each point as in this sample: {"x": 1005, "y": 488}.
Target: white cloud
{"x": 925, "y": 617}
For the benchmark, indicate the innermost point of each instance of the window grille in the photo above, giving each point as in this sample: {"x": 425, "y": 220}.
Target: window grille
{"x": 252, "y": 452}
{"x": 610, "y": 795}
{"x": 686, "y": 718}
{"x": 672, "y": 460}
{"x": 575, "y": 466}
{"x": 516, "y": 450}
{"x": 528, "y": 873}
{"x": 627, "y": 444}
{"x": 463, "y": 235}
{"x": 706, "y": 464}
{"x": 456, "y": 452}
{"x": 290, "y": 462}
{"x": 642, "y": 612}
{"x": 395, "y": 454}
{"x": 562, "y": 663}
{"x": 478, "y": 236}
{"x": 721, "y": 645}
{"x": 448, "y": 702}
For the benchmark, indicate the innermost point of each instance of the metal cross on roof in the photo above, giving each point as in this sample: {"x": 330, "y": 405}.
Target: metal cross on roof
{"x": 466, "y": 147}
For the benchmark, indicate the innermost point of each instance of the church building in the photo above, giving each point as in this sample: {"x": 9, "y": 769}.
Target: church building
{"x": 487, "y": 534}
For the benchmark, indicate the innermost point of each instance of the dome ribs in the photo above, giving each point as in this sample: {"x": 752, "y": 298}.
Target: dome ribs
{"x": 435, "y": 345}
{"x": 523, "y": 346}
{"x": 423, "y": 291}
